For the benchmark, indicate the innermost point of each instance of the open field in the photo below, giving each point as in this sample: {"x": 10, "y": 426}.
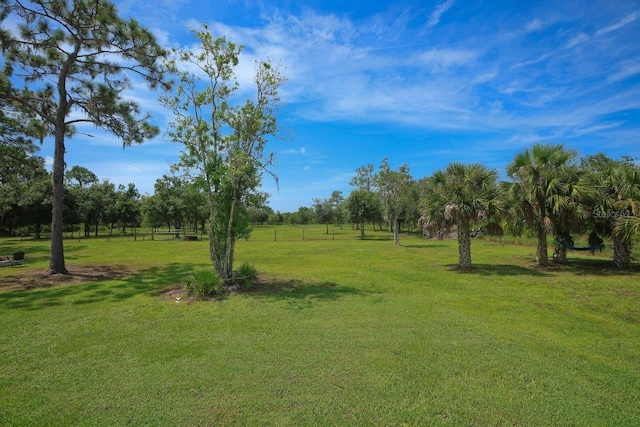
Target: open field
{"x": 340, "y": 332}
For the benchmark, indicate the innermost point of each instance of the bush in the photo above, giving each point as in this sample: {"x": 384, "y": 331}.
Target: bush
{"x": 246, "y": 276}
{"x": 205, "y": 283}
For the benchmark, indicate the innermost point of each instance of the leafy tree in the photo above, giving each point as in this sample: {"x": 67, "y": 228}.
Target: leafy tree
{"x": 539, "y": 183}
{"x": 363, "y": 206}
{"x": 461, "y": 194}
{"x": 170, "y": 200}
{"x": 304, "y": 215}
{"x": 93, "y": 201}
{"x": 323, "y": 211}
{"x": 152, "y": 212}
{"x": 31, "y": 196}
{"x": 17, "y": 150}
{"x": 395, "y": 189}
{"x": 81, "y": 177}
{"x": 336, "y": 201}
{"x": 194, "y": 200}
{"x": 74, "y": 59}
{"x": 224, "y": 143}
{"x": 127, "y": 206}
{"x": 276, "y": 218}
{"x": 260, "y": 215}
{"x": 364, "y": 178}
{"x": 35, "y": 204}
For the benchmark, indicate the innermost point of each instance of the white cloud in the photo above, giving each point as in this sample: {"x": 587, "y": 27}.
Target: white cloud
{"x": 583, "y": 37}
{"x": 371, "y": 71}
{"x": 534, "y": 25}
{"x": 442, "y": 59}
{"x": 623, "y": 22}
{"x": 627, "y": 71}
{"x": 435, "y": 16}
{"x": 302, "y": 151}
{"x": 577, "y": 39}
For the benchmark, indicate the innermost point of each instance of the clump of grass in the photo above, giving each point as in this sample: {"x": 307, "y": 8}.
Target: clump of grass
{"x": 245, "y": 276}
{"x": 205, "y": 283}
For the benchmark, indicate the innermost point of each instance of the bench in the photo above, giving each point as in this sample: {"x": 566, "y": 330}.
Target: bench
{"x": 16, "y": 259}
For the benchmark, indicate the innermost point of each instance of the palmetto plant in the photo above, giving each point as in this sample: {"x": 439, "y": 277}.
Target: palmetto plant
{"x": 545, "y": 188}
{"x": 615, "y": 212}
{"x": 460, "y": 194}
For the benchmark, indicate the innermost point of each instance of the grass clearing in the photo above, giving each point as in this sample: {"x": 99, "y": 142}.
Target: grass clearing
{"x": 349, "y": 332}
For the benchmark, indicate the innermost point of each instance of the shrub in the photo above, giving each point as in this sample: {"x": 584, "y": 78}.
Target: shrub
{"x": 246, "y": 276}
{"x": 205, "y": 283}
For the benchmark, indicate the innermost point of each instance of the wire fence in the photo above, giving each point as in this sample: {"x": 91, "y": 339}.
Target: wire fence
{"x": 281, "y": 233}
{"x": 265, "y": 233}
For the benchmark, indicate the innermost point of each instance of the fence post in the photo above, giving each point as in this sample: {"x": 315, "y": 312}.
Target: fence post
{"x": 333, "y": 237}
{"x": 275, "y": 235}
{"x": 303, "y": 234}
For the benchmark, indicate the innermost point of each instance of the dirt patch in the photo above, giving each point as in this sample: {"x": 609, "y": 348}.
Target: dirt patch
{"x": 78, "y": 274}
{"x": 179, "y": 294}
{"x": 176, "y": 293}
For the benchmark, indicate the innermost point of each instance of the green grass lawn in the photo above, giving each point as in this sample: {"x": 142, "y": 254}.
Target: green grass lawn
{"x": 350, "y": 332}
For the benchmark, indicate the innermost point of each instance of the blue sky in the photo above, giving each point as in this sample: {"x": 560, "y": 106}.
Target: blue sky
{"x": 421, "y": 83}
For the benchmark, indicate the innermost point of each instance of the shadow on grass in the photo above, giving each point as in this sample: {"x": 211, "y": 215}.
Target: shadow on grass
{"x": 114, "y": 284}
{"x": 595, "y": 267}
{"x": 303, "y": 294}
{"x": 95, "y": 288}
{"x": 424, "y": 245}
{"x": 498, "y": 270}
{"x": 578, "y": 267}
{"x": 374, "y": 238}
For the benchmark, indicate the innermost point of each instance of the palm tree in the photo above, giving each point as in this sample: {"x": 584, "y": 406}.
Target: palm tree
{"x": 625, "y": 229}
{"x": 569, "y": 208}
{"x": 540, "y": 176}
{"x": 615, "y": 214}
{"x": 460, "y": 195}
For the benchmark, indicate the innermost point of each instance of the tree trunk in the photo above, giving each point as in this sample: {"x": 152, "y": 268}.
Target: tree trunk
{"x": 227, "y": 264}
{"x": 621, "y": 252}
{"x": 362, "y": 232}
{"x": 464, "y": 244}
{"x": 396, "y": 232}
{"x": 560, "y": 251}
{"x": 560, "y": 254}
{"x": 57, "y": 264}
{"x": 541, "y": 252}
{"x": 213, "y": 254}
